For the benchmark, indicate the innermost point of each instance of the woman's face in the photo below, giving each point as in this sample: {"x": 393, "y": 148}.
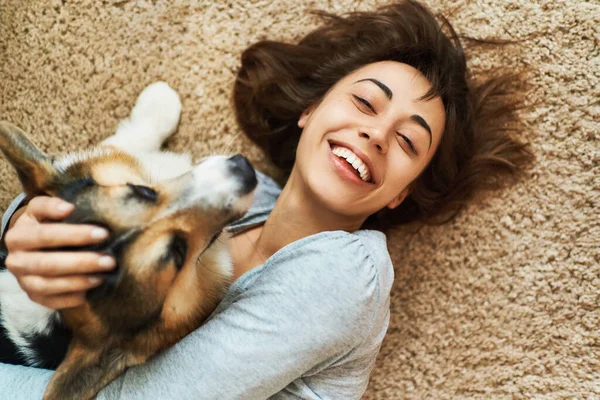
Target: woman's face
{"x": 368, "y": 139}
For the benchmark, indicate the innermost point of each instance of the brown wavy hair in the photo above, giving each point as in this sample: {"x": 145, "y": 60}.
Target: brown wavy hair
{"x": 479, "y": 147}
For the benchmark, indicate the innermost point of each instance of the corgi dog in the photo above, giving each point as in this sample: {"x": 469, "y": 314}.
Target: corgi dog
{"x": 164, "y": 217}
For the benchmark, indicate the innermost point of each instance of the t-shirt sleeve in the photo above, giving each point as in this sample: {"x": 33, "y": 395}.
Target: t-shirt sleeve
{"x": 265, "y": 195}
{"x": 16, "y": 203}
{"x": 309, "y": 307}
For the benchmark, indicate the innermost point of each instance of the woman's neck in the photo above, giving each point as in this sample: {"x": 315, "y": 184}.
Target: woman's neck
{"x": 298, "y": 214}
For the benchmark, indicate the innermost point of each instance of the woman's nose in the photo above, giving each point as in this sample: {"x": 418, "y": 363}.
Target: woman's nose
{"x": 376, "y": 138}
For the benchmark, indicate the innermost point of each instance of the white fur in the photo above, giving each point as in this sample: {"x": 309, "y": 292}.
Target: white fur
{"x": 153, "y": 119}
{"x": 164, "y": 165}
{"x": 21, "y": 316}
{"x": 210, "y": 185}
{"x": 218, "y": 255}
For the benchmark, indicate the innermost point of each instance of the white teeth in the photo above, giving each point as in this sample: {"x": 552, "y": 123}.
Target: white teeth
{"x": 354, "y": 160}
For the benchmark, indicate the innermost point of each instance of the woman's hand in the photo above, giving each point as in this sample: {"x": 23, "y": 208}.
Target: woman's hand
{"x": 54, "y": 279}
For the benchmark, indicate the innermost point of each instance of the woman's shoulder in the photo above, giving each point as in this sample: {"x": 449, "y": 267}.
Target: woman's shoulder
{"x": 353, "y": 265}
{"x": 359, "y": 249}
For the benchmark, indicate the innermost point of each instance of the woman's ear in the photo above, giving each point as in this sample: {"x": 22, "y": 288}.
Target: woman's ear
{"x": 400, "y": 198}
{"x": 304, "y": 117}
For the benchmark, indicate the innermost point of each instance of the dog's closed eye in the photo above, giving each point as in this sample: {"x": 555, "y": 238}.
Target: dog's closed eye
{"x": 143, "y": 192}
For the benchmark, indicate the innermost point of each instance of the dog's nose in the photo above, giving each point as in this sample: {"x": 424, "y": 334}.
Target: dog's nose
{"x": 239, "y": 164}
{"x": 241, "y": 167}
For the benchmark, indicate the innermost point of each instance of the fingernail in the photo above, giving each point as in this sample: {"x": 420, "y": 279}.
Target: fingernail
{"x": 99, "y": 233}
{"x": 106, "y": 262}
{"x": 64, "y": 207}
{"x": 94, "y": 280}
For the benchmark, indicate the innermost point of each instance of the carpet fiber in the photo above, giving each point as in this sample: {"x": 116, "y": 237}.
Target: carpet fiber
{"x": 502, "y": 303}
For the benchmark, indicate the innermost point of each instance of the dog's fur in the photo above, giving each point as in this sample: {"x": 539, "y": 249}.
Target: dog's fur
{"x": 163, "y": 216}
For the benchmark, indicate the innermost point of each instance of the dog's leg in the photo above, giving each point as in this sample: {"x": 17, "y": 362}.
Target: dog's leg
{"x": 153, "y": 119}
{"x": 84, "y": 372}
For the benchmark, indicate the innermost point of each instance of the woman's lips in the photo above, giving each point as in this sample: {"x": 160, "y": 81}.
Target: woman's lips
{"x": 345, "y": 170}
{"x": 359, "y": 154}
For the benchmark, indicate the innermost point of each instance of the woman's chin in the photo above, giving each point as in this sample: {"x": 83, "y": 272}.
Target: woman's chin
{"x": 335, "y": 194}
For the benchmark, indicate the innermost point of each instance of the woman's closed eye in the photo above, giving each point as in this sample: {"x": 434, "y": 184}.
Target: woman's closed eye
{"x": 362, "y": 103}
{"x": 409, "y": 142}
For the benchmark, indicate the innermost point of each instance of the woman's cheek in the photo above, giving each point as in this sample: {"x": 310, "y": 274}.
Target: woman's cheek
{"x": 400, "y": 171}
{"x": 337, "y": 116}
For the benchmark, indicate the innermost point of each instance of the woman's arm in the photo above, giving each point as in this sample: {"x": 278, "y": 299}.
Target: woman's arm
{"x": 310, "y": 306}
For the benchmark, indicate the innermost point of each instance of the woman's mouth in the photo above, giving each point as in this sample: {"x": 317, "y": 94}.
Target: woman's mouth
{"x": 348, "y": 165}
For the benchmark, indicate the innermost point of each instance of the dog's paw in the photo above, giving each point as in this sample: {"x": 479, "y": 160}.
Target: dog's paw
{"x": 157, "y": 109}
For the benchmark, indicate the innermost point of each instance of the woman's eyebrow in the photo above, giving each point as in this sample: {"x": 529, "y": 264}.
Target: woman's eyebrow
{"x": 421, "y": 121}
{"x": 386, "y": 90}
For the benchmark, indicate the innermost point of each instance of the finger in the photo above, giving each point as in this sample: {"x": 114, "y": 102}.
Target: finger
{"x": 53, "y": 235}
{"x": 43, "y": 208}
{"x": 58, "y": 264}
{"x": 60, "y": 302}
{"x": 41, "y": 286}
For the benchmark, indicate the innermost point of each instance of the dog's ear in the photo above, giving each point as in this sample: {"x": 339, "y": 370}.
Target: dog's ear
{"x": 34, "y": 168}
{"x": 85, "y": 371}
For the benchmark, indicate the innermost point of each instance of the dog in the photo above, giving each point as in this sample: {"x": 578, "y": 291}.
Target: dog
{"x": 164, "y": 217}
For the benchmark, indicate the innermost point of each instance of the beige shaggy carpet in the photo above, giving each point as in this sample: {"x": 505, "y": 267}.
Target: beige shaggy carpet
{"x": 503, "y": 303}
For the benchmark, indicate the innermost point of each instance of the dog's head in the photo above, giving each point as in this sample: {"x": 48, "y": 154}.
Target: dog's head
{"x": 169, "y": 267}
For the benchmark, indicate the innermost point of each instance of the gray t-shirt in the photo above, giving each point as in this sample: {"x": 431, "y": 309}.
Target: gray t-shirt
{"x": 306, "y": 324}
